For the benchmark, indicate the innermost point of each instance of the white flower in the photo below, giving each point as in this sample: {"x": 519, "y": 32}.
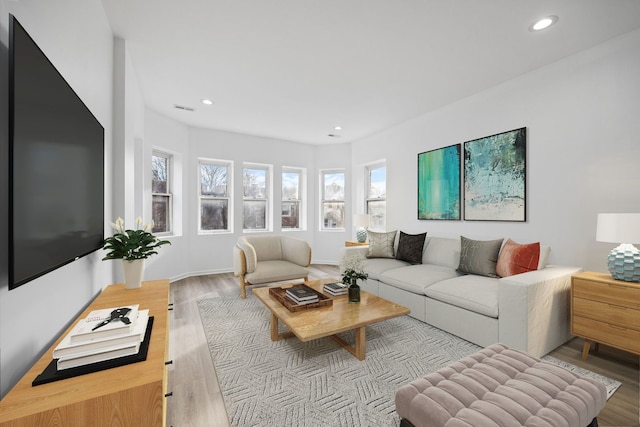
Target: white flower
{"x": 355, "y": 262}
{"x": 118, "y": 226}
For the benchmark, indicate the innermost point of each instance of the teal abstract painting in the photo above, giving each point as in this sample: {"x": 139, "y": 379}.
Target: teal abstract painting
{"x": 495, "y": 177}
{"x": 439, "y": 183}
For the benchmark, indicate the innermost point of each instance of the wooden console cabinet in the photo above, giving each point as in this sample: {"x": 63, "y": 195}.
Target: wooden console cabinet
{"x": 131, "y": 395}
{"x": 605, "y": 310}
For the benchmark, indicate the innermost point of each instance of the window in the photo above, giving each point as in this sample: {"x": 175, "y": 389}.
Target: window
{"x": 215, "y": 195}
{"x": 377, "y": 196}
{"x": 256, "y": 182}
{"x": 161, "y": 201}
{"x": 332, "y": 195}
{"x": 293, "y": 198}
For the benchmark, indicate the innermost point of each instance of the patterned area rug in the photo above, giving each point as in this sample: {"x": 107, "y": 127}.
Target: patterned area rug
{"x": 318, "y": 383}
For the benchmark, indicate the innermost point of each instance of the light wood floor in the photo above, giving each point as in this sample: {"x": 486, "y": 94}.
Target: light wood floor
{"x": 197, "y": 401}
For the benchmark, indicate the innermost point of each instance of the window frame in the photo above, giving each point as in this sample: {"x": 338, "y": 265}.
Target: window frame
{"x": 301, "y": 199}
{"x": 368, "y": 198}
{"x": 168, "y": 194}
{"x": 267, "y": 197}
{"x": 324, "y": 200}
{"x": 228, "y": 197}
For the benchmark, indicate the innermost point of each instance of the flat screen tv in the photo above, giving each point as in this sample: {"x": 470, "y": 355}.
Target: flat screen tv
{"x": 56, "y": 166}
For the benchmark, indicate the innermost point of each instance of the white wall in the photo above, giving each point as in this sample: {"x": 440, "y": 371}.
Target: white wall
{"x": 196, "y": 254}
{"x": 33, "y": 315}
{"x": 583, "y": 150}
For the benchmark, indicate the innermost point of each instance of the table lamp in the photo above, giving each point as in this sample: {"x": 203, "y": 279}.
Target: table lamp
{"x": 361, "y": 221}
{"x": 624, "y": 260}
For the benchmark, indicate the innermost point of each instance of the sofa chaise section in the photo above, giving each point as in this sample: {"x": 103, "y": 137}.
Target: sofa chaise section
{"x": 528, "y": 311}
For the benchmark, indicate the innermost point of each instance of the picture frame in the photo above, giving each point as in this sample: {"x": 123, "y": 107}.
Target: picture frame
{"x": 439, "y": 184}
{"x": 495, "y": 177}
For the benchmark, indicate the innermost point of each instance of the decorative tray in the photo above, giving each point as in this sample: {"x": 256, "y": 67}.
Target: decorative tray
{"x": 279, "y": 295}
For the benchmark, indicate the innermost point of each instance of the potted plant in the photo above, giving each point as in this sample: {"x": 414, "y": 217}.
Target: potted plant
{"x": 352, "y": 269}
{"x": 132, "y": 247}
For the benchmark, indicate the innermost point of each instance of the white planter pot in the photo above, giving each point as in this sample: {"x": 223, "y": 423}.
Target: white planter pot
{"x": 133, "y": 273}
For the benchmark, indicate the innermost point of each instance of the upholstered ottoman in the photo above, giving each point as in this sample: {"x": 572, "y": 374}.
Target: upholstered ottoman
{"x": 499, "y": 386}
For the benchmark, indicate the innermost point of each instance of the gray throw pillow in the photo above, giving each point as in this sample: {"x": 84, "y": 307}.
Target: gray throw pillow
{"x": 479, "y": 256}
{"x": 410, "y": 247}
{"x": 381, "y": 244}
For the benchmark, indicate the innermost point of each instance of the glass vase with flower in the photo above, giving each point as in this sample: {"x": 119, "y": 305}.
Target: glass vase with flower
{"x": 351, "y": 269}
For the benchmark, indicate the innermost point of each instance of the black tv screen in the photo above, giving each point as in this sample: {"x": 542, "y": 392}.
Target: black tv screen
{"x": 56, "y": 166}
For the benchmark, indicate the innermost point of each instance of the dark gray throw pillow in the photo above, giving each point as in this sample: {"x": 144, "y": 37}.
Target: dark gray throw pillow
{"x": 479, "y": 256}
{"x": 410, "y": 247}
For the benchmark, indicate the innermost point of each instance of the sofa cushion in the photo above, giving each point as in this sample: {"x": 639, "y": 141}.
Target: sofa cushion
{"x": 267, "y": 247}
{"x": 410, "y": 247}
{"x": 515, "y": 258}
{"x": 476, "y": 293}
{"x": 275, "y": 271}
{"x": 381, "y": 245}
{"x": 376, "y": 266}
{"x": 442, "y": 251}
{"x": 479, "y": 256}
{"x": 416, "y": 278}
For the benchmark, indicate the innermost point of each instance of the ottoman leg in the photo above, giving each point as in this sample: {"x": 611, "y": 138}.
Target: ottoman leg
{"x": 405, "y": 423}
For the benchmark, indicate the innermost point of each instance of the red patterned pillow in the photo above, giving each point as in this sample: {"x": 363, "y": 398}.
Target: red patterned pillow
{"x": 515, "y": 258}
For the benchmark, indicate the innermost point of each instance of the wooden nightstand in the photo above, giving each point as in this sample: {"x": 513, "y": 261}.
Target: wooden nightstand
{"x": 355, "y": 243}
{"x": 605, "y": 310}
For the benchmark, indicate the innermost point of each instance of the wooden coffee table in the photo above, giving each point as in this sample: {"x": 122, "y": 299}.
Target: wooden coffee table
{"x": 322, "y": 322}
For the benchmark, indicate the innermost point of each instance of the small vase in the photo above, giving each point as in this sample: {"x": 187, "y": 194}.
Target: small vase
{"x": 354, "y": 292}
{"x": 133, "y": 270}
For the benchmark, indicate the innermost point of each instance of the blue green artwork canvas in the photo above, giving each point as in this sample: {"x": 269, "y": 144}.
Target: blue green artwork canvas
{"x": 439, "y": 183}
{"x": 495, "y": 177}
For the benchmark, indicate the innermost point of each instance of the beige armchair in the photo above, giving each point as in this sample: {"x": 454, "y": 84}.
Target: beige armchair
{"x": 273, "y": 258}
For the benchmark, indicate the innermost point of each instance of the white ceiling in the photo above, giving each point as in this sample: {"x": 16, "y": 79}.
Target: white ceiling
{"x": 294, "y": 69}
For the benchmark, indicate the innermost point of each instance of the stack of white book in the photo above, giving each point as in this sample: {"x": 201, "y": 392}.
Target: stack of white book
{"x": 335, "y": 289}
{"x": 103, "y": 335}
{"x": 301, "y": 295}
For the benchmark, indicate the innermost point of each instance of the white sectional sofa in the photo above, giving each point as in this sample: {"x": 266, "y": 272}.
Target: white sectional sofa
{"x": 528, "y": 311}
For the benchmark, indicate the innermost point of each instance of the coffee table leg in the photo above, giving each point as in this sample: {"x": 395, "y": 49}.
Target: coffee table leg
{"x": 359, "y": 351}
{"x": 275, "y": 334}
{"x": 361, "y": 343}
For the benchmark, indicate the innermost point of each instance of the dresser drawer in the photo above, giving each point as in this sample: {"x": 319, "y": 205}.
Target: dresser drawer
{"x": 615, "y": 336}
{"x": 609, "y": 313}
{"x": 621, "y": 295}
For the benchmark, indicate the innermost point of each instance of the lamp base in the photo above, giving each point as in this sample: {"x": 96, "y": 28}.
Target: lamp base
{"x": 624, "y": 263}
{"x": 361, "y": 235}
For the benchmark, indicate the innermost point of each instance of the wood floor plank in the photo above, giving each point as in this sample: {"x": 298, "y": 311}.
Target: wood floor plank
{"x": 197, "y": 400}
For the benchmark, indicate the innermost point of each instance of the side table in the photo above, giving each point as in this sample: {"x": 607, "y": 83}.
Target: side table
{"x": 606, "y": 311}
{"x": 355, "y": 243}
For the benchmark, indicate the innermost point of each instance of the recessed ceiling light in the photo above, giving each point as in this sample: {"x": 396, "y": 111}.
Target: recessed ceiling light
{"x": 337, "y": 128}
{"x": 543, "y": 23}
{"x": 207, "y": 102}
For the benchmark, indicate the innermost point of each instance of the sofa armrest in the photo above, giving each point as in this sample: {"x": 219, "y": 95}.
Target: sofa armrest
{"x": 296, "y": 251}
{"x": 534, "y": 309}
{"x": 244, "y": 258}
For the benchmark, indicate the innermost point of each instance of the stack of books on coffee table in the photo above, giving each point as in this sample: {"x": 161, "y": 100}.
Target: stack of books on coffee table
{"x": 102, "y": 335}
{"x": 301, "y": 295}
{"x": 335, "y": 289}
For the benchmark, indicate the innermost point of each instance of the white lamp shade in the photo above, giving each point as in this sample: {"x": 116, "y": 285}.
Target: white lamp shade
{"x": 618, "y": 228}
{"x": 361, "y": 220}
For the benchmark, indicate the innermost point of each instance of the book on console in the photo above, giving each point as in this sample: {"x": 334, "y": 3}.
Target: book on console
{"x": 105, "y": 354}
{"x": 67, "y": 349}
{"x": 87, "y": 329}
